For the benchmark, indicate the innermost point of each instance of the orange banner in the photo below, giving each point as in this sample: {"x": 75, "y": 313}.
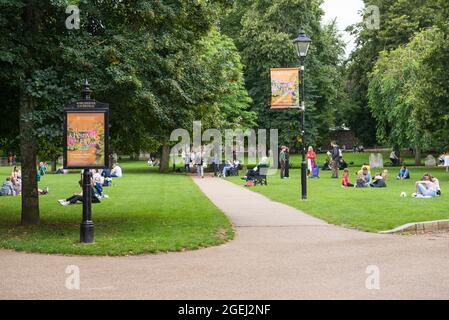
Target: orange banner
{"x": 285, "y": 88}
{"x": 85, "y": 139}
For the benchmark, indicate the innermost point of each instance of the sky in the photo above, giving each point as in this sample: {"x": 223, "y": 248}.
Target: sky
{"x": 347, "y": 13}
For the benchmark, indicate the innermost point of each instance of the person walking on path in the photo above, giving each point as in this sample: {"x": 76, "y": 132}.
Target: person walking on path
{"x": 187, "y": 162}
{"x": 282, "y": 161}
{"x": 199, "y": 164}
{"x": 335, "y": 154}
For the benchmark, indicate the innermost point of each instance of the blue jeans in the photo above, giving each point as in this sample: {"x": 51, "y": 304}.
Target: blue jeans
{"x": 426, "y": 192}
{"x": 200, "y": 170}
{"x": 226, "y": 169}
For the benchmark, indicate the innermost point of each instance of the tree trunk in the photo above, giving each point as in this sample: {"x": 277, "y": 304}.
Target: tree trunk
{"x": 165, "y": 158}
{"x": 30, "y": 196}
{"x": 417, "y": 156}
{"x": 54, "y": 164}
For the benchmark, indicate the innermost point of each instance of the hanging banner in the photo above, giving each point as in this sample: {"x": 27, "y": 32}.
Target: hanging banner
{"x": 85, "y": 138}
{"x": 285, "y": 88}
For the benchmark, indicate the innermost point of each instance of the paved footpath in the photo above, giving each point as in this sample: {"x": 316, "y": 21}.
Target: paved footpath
{"x": 278, "y": 253}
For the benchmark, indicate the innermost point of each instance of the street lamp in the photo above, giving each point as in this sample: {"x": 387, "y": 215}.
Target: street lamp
{"x": 302, "y": 44}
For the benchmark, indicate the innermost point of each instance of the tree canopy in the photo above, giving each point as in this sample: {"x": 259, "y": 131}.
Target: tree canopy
{"x": 263, "y": 31}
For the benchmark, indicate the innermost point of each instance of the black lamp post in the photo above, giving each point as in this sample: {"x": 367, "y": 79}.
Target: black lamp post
{"x": 87, "y": 226}
{"x": 302, "y": 44}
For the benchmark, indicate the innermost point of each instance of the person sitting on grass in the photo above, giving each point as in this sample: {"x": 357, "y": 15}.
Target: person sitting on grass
{"x": 98, "y": 183}
{"x": 116, "y": 171}
{"x": 378, "y": 181}
{"x": 79, "y": 196}
{"x": 403, "y": 174}
{"x": 394, "y": 158}
{"x": 366, "y": 174}
{"x": 326, "y": 165}
{"x": 16, "y": 174}
{"x": 107, "y": 179}
{"x": 342, "y": 164}
{"x": 437, "y": 183}
{"x": 17, "y": 185}
{"x": 345, "y": 179}
{"x": 43, "y": 192}
{"x": 385, "y": 175}
{"x": 426, "y": 188}
{"x": 360, "y": 182}
{"x": 8, "y": 188}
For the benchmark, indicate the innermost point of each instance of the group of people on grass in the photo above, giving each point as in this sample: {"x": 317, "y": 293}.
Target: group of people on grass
{"x": 427, "y": 187}
{"x": 99, "y": 179}
{"x": 365, "y": 179}
{"x": 13, "y": 184}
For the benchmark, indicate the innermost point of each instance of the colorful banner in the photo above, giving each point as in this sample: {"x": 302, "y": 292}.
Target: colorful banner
{"x": 285, "y": 88}
{"x": 85, "y": 139}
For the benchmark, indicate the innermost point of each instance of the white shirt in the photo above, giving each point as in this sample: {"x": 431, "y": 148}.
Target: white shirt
{"x": 117, "y": 171}
{"x": 446, "y": 161}
{"x": 98, "y": 178}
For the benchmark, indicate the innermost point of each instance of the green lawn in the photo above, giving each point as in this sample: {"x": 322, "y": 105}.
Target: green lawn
{"x": 147, "y": 213}
{"x": 366, "y": 209}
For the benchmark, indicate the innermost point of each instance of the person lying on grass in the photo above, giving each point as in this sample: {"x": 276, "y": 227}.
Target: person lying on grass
{"x": 345, "y": 179}
{"x": 403, "y": 173}
{"x": 78, "y": 197}
{"x": 378, "y": 181}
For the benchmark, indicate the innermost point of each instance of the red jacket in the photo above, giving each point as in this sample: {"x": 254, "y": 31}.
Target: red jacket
{"x": 345, "y": 181}
{"x": 311, "y": 155}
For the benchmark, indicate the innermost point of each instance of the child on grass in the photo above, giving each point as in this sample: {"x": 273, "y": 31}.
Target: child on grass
{"x": 345, "y": 179}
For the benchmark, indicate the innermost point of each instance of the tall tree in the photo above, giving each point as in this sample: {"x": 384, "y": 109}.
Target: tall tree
{"x": 394, "y": 94}
{"x": 399, "y": 20}
{"x": 267, "y": 29}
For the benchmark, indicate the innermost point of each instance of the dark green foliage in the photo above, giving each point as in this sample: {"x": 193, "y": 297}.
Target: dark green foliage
{"x": 267, "y": 29}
